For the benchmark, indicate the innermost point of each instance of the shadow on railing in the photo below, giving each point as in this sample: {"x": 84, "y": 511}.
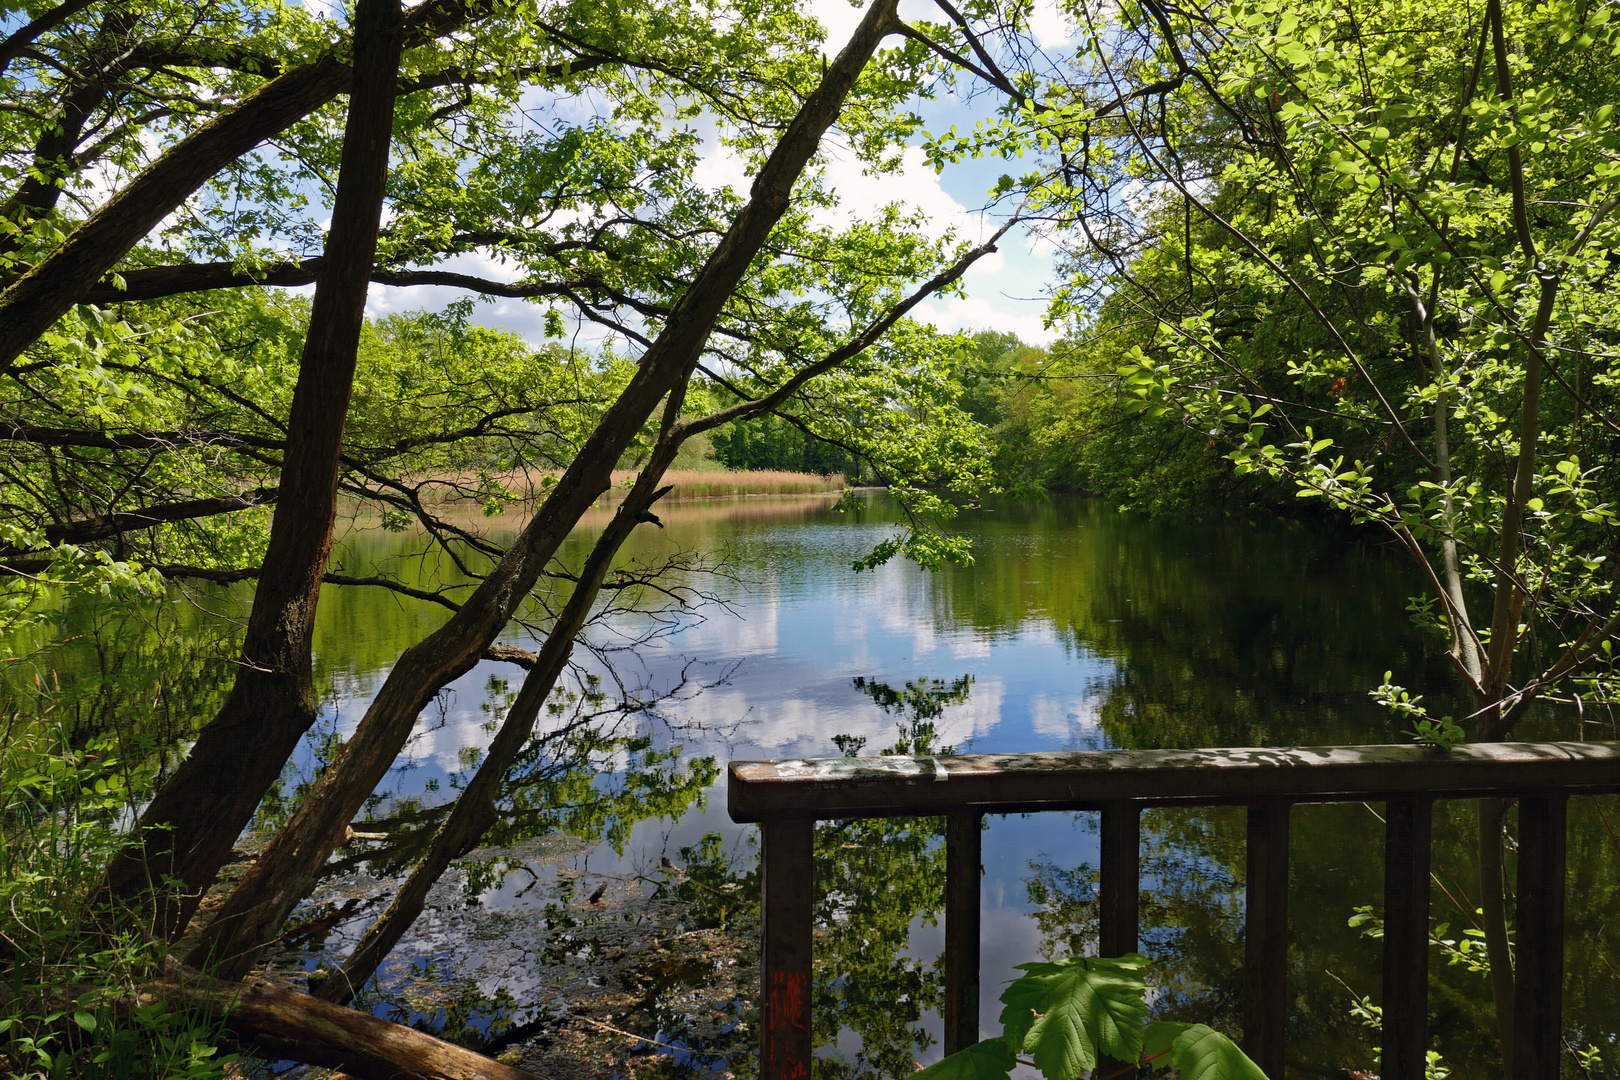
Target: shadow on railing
{"x": 787, "y": 798}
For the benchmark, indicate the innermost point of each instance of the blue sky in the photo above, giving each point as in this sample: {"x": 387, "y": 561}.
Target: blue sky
{"x": 1005, "y": 291}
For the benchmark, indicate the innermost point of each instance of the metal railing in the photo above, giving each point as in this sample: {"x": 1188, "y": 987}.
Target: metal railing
{"x": 787, "y": 798}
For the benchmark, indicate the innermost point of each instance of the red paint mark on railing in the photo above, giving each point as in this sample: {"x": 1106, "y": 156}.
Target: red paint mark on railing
{"x": 787, "y": 1021}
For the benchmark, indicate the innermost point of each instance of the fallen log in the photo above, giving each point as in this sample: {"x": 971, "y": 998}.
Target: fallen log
{"x": 283, "y": 1024}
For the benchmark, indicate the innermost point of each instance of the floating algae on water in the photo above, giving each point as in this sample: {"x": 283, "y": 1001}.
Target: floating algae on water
{"x": 563, "y": 971}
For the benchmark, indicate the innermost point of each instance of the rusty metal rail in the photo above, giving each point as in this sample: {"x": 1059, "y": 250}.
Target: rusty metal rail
{"x": 787, "y": 798}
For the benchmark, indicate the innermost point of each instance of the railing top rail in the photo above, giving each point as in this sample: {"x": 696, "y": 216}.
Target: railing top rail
{"x": 821, "y": 788}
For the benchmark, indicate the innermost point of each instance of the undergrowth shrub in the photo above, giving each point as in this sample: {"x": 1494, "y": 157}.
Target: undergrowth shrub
{"x": 71, "y": 1002}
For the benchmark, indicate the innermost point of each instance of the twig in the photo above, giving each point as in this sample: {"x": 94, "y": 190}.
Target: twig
{"x": 631, "y": 1035}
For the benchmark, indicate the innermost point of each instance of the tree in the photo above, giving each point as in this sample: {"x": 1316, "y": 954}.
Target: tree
{"x": 1367, "y": 255}
{"x": 173, "y": 105}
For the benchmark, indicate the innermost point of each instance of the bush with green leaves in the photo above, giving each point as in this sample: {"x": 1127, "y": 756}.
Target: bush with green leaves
{"x": 69, "y": 997}
{"x": 1070, "y": 1015}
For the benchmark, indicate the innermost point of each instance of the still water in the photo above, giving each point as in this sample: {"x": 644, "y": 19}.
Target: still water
{"x": 1075, "y": 628}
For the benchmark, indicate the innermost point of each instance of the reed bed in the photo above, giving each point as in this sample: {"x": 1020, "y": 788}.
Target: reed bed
{"x": 716, "y": 484}
{"x": 688, "y": 484}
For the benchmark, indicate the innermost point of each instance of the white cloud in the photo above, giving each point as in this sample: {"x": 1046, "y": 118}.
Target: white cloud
{"x": 839, "y": 18}
{"x": 914, "y": 184}
{"x": 721, "y": 167}
{"x": 978, "y": 313}
{"x": 1050, "y": 25}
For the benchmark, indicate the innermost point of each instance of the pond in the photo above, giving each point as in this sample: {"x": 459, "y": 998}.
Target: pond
{"x": 1076, "y": 627}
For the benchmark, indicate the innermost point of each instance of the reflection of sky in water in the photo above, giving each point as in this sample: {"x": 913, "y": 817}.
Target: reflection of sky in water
{"x": 1071, "y": 615}
{"x": 801, "y": 627}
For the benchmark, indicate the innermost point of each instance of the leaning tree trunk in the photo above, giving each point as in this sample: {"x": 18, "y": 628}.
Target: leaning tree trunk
{"x": 188, "y": 830}
{"x": 283, "y": 875}
{"x": 474, "y": 811}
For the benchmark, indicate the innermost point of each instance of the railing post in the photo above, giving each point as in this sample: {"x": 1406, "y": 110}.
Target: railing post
{"x": 1117, "y": 919}
{"x": 1265, "y": 938}
{"x": 1538, "y": 981}
{"x": 962, "y": 886}
{"x": 785, "y": 976}
{"x": 1407, "y": 833}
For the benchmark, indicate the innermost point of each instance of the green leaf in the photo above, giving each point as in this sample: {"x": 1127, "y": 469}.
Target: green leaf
{"x": 991, "y": 1059}
{"x": 1062, "y": 1014}
{"x": 85, "y": 1020}
{"x": 1158, "y": 1040}
{"x": 1198, "y": 1052}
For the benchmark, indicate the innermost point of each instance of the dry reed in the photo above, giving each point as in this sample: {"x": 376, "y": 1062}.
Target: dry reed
{"x": 706, "y": 484}
{"x": 688, "y": 484}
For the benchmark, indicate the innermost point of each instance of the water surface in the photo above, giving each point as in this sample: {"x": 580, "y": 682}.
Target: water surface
{"x": 1075, "y": 628}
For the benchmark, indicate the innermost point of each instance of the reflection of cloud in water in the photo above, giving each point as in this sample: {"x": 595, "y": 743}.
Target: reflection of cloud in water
{"x": 1064, "y": 718}
{"x": 977, "y": 716}
{"x": 782, "y": 725}
{"x": 750, "y": 631}
{"x": 923, "y": 638}
{"x": 969, "y": 647}
{"x": 901, "y": 599}
{"x": 440, "y": 736}
{"x": 1033, "y": 631}
{"x": 803, "y": 726}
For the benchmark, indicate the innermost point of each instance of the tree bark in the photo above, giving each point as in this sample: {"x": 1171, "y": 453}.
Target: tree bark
{"x": 188, "y": 830}
{"x": 283, "y": 875}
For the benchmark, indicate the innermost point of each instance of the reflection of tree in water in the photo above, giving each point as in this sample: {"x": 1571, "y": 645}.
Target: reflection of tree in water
{"x": 1191, "y": 912}
{"x": 1222, "y": 633}
{"x": 875, "y": 880}
{"x": 144, "y": 672}
{"x": 670, "y": 953}
{"x": 919, "y": 705}
{"x": 1192, "y": 907}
